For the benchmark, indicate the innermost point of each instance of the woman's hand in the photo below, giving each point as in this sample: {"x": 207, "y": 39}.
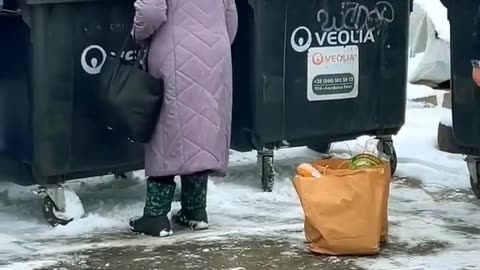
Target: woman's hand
{"x": 476, "y": 75}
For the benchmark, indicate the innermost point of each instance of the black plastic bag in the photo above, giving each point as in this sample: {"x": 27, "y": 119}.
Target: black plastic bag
{"x": 130, "y": 99}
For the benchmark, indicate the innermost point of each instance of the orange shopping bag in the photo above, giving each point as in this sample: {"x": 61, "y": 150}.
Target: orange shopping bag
{"x": 346, "y": 210}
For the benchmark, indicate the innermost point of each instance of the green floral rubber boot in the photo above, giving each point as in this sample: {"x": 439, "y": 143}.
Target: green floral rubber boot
{"x": 194, "y": 203}
{"x": 158, "y": 204}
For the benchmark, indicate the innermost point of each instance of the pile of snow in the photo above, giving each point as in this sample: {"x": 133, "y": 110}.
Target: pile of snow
{"x": 29, "y": 265}
{"x": 73, "y": 206}
{"x": 447, "y": 119}
{"x": 429, "y": 42}
{"x": 418, "y": 91}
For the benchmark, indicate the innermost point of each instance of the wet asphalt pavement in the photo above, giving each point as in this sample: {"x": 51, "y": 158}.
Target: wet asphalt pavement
{"x": 231, "y": 254}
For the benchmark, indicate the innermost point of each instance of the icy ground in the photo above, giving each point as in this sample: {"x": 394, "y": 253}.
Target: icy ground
{"x": 434, "y": 218}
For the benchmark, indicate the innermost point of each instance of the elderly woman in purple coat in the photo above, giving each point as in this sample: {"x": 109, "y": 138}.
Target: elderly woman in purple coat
{"x": 190, "y": 51}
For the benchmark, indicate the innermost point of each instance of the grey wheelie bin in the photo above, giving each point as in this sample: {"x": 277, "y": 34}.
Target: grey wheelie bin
{"x": 317, "y": 71}
{"x": 52, "y": 53}
{"x": 465, "y": 94}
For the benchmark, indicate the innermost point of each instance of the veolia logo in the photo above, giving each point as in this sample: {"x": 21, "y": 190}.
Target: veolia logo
{"x": 317, "y": 59}
{"x": 90, "y": 61}
{"x": 300, "y": 44}
{"x": 93, "y": 58}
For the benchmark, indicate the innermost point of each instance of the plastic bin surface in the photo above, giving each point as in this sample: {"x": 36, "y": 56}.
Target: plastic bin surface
{"x": 319, "y": 71}
{"x": 465, "y": 94}
{"x": 69, "y": 43}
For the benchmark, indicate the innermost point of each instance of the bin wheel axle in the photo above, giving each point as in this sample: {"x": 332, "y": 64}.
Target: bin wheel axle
{"x": 386, "y": 146}
{"x": 473, "y": 164}
{"x": 266, "y": 161}
{"x": 475, "y": 186}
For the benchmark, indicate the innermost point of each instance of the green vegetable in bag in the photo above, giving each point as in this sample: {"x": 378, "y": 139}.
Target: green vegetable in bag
{"x": 364, "y": 161}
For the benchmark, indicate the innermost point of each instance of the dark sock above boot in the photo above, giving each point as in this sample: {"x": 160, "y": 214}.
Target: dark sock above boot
{"x": 194, "y": 191}
{"x": 159, "y": 197}
{"x": 194, "y": 202}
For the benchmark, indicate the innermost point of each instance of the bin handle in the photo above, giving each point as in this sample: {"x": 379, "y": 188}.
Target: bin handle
{"x": 10, "y": 12}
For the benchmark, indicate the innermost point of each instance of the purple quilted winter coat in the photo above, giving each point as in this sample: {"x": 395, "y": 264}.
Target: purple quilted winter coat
{"x": 190, "y": 50}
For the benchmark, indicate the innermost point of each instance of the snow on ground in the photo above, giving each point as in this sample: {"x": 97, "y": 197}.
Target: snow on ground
{"x": 417, "y": 91}
{"x": 418, "y": 154}
{"x": 447, "y": 118}
{"x": 430, "y": 205}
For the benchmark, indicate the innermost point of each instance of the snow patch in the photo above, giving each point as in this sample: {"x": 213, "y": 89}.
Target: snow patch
{"x": 73, "y": 206}
{"x": 447, "y": 260}
{"x": 418, "y": 154}
{"x": 32, "y": 265}
{"x": 166, "y": 233}
{"x": 418, "y": 91}
{"x": 446, "y": 118}
{"x": 92, "y": 223}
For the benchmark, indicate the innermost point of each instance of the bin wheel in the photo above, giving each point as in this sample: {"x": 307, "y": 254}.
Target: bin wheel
{"x": 321, "y": 148}
{"x": 475, "y": 184}
{"x": 473, "y": 164}
{"x": 268, "y": 173}
{"x": 50, "y": 213}
{"x": 387, "y": 147}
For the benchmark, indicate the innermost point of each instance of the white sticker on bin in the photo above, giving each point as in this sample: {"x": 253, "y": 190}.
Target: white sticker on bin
{"x": 332, "y": 73}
